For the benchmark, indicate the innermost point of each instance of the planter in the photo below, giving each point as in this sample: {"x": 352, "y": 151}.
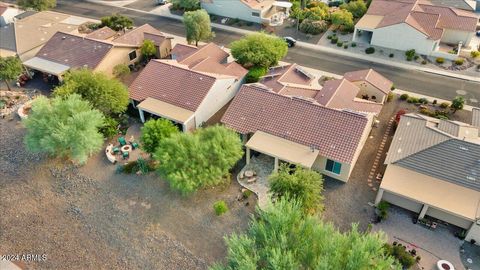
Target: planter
{"x": 444, "y": 265}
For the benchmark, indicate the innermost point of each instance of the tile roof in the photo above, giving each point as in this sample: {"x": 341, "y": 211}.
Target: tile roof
{"x": 7, "y": 38}
{"x": 74, "y": 51}
{"x": 181, "y": 51}
{"x": 280, "y": 76}
{"x": 170, "y": 82}
{"x": 157, "y": 39}
{"x": 336, "y": 134}
{"x": 429, "y": 19}
{"x": 210, "y": 50}
{"x": 342, "y": 94}
{"x": 211, "y": 65}
{"x": 135, "y": 36}
{"x": 102, "y": 33}
{"x": 369, "y": 75}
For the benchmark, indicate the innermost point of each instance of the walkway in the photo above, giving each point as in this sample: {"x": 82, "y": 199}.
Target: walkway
{"x": 262, "y": 165}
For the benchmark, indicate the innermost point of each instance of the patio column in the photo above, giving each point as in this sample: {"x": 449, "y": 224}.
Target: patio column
{"x": 379, "y": 196}
{"x": 247, "y": 155}
{"x": 423, "y": 212}
{"x": 142, "y": 116}
{"x": 354, "y": 37}
{"x": 275, "y": 166}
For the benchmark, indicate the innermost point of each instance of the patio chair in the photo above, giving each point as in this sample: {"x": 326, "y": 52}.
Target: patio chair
{"x": 125, "y": 155}
{"x": 115, "y": 150}
{"x": 134, "y": 145}
{"x": 122, "y": 141}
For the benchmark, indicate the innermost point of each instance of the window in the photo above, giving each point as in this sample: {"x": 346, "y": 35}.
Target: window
{"x": 256, "y": 14}
{"x": 132, "y": 55}
{"x": 333, "y": 166}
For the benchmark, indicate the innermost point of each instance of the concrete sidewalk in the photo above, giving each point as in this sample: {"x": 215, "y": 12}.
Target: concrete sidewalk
{"x": 165, "y": 12}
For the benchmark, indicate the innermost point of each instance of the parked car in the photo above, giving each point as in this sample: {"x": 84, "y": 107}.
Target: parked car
{"x": 478, "y": 34}
{"x": 290, "y": 41}
{"x": 160, "y": 2}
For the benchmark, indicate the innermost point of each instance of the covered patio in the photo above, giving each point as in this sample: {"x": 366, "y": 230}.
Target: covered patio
{"x": 47, "y": 67}
{"x": 180, "y": 116}
{"x": 281, "y": 149}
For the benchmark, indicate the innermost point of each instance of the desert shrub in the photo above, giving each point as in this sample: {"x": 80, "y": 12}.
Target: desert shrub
{"x": 109, "y": 127}
{"x": 392, "y": 87}
{"x": 345, "y": 46}
{"x": 440, "y": 60}
{"x": 405, "y": 258}
{"x": 220, "y": 208}
{"x": 412, "y": 100}
{"x": 246, "y": 194}
{"x": 410, "y": 54}
{"x": 255, "y": 73}
{"x": 424, "y": 62}
{"x": 474, "y": 54}
{"x": 390, "y": 97}
{"x": 329, "y": 37}
{"x": 249, "y": 23}
{"x": 444, "y": 105}
{"x": 459, "y": 61}
{"x": 313, "y": 27}
{"x": 354, "y": 44}
{"x": 369, "y": 50}
{"x": 121, "y": 70}
{"x": 340, "y": 44}
{"x": 423, "y": 100}
{"x": 383, "y": 209}
{"x": 334, "y": 40}
{"x": 391, "y": 55}
{"x": 404, "y": 97}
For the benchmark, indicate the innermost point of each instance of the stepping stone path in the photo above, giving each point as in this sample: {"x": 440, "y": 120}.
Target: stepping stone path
{"x": 376, "y": 163}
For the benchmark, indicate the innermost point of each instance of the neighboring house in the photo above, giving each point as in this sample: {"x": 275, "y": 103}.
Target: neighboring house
{"x": 433, "y": 169}
{"x": 362, "y": 91}
{"x": 266, "y": 12}
{"x": 7, "y": 14}
{"x": 33, "y": 30}
{"x": 136, "y": 36}
{"x": 188, "y": 90}
{"x": 413, "y": 24}
{"x": 298, "y": 131}
{"x": 8, "y": 46}
{"x": 470, "y": 5}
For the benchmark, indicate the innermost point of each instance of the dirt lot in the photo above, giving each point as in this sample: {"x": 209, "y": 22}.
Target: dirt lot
{"x": 93, "y": 218}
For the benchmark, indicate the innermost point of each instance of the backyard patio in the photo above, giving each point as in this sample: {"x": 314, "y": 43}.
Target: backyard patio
{"x": 254, "y": 177}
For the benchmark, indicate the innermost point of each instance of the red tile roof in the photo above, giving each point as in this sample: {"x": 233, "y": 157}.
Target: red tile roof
{"x": 210, "y": 50}
{"x": 211, "y": 65}
{"x": 102, "y": 33}
{"x": 369, "y": 75}
{"x": 336, "y": 134}
{"x": 279, "y": 77}
{"x": 157, "y": 39}
{"x": 423, "y": 16}
{"x": 181, "y": 51}
{"x": 135, "y": 36}
{"x": 170, "y": 82}
{"x": 74, "y": 51}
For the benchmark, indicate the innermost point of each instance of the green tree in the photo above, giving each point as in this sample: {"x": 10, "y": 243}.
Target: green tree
{"x": 39, "y": 5}
{"x": 121, "y": 70}
{"x": 259, "y": 49}
{"x": 10, "y": 69}
{"x": 154, "y": 131}
{"x": 457, "y": 103}
{"x": 64, "y": 127}
{"x": 117, "y": 22}
{"x": 318, "y": 12}
{"x": 282, "y": 237}
{"x": 148, "y": 49}
{"x": 358, "y": 8}
{"x": 304, "y": 185}
{"x": 186, "y": 5}
{"x": 342, "y": 18}
{"x": 189, "y": 161}
{"x": 197, "y": 26}
{"x": 107, "y": 95}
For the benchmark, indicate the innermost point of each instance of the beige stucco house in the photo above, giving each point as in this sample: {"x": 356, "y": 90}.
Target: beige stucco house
{"x": 189, "y": 89}
{"x": 433, "y": 169}
{"x": 266, "y": 12}
{"x": 431, "y": 30}
{"x": 298, "y": 130}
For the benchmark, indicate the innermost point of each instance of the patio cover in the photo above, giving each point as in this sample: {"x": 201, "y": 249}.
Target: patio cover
{"x": 46, "y": 66}
{"x": 282, "y": 149}
{"x": 443, "y": 195}
{"x": 369, "y": 21}
{"x": 282, "y": 4}
{"x": 165, "y": 110}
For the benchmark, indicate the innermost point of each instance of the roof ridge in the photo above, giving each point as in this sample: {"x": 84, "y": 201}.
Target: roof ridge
{"x": 288, "y": 69}
{"x": 197, "y": 51}
{"x": 182, "y": 66}
{"x": 83, "y": 37}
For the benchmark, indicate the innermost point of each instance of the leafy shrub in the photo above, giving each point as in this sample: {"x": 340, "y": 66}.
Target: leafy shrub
{"x": 109, "y": 127}
{"x": 383, "y": 209}
{"x": 154, "y": 131}
{"x": 329, "y": 37}
{"x": 247, "y": 193}
{"x": 404, "y": 97}
{"x": 424, "y": 62}
{"x": 390, "y": 97}
{"x": 440, "y": 60}
{"x": 392, "y": 87}
{"x": 121, "y": 70}
{"x": 423, "y": 100}
{"x": 220, "y": 208}
{"x": 354, "y": 44}
{"x": 345, "y": 46}
{"x": 369, "y": 50}
{"x": 412, "y": 100}
{"x": 255, "y": 73}
{"x": 340, "y": 44}
{"x": 140, "y": 165}
{"x": 410, "y": 54}
{"x": 334, "y": 40}
{"x": 400, "y": 252}
{"x": 186, "y": 5}
{"x": 474, "y": 54}
{"x": 249, "y": 23}
{"x": 313, "y": 27}
{"x": 444, "y": 105}
{"x": 459, "y": 61}
{"x": 391, "y": 55}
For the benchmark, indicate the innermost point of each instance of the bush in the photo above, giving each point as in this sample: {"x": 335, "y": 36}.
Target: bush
{"x": 459, "y": 61}
{"x": 121, "y": 70}
{"x": 354, "y": 44}
{"x": 392, "y": 87}
{"x": 154, "y": 131}
{"x": 255, "y": 73}
{"x": 247, "y": 193}
{"x": 391, "y": 55}
{"x": 440, "y": 60}
{"x": 369, "y": 50}
{"x": 383, "y": 209}
{"x": 410, "y": 54}
{"x": 405, "y": 258}
{"x": 334, "y": 40}
{"x": 313, "y": 27}
{"x": 423, "y": 100}
{"x": 249, "y": 23}
{"x": 329, "y": 37}
{"x": 345, "y": 46}
{"x": 390, "y": 97}
{"x": 340, "y": 44}
{"x": 424, "y": 62}
{"x": 416, "y": 57}
{"x": 186, "y": 5}
{"x": 109, "y": 127}
{"x": 404, "y": 97}
{"x": 444, "y": 105}
{"x": 412, "y": 100}
{"x": 474, "y": 54}
{"x": 220, "y": 208}
{"x": 140, "y": 165}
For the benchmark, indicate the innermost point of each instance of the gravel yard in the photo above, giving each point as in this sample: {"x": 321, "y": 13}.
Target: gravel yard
{"x": 92, "y": 218}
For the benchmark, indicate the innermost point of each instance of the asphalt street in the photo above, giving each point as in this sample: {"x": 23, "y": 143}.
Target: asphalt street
{"x": 410, "y": 80}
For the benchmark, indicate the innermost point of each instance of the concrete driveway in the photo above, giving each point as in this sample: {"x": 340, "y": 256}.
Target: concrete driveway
{"x": 430, "y": 245}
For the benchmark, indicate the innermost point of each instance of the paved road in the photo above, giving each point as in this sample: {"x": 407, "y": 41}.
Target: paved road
{"x": 415, "y": 81}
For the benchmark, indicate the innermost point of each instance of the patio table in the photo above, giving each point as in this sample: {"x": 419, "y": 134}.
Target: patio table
{"x": 249, "y": 173}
